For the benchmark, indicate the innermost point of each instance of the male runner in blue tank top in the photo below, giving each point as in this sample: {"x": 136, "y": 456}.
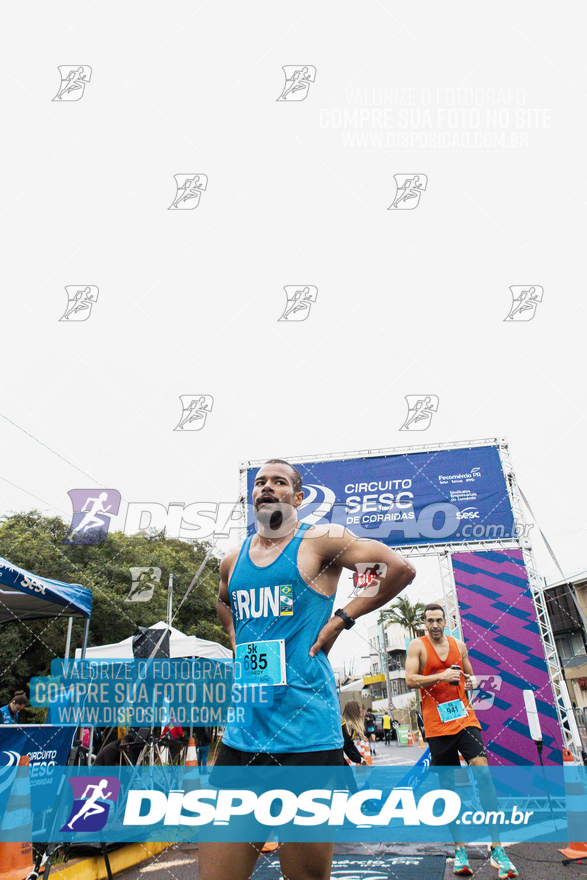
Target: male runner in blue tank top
{"x": 275, "y": 602}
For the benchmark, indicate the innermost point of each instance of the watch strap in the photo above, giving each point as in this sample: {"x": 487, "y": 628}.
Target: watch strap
{"x": 348, "y": 621}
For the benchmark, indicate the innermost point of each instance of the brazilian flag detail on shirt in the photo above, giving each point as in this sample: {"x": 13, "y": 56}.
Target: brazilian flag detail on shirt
{"x": 285, "y": 600}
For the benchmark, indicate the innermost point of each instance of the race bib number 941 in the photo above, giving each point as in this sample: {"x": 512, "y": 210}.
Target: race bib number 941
{"x": 452, "y": 710}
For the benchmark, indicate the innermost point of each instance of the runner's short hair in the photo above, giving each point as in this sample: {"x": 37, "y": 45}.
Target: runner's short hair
{"x": 433, "y": 606}
{"x": 297, "y": 477}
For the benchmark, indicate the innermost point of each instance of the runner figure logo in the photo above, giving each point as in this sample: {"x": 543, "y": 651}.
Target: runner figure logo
{"x": 79, "y": 302}
{"x": 74, "y": 79}
{"x": 144, "y": 581}
{"x": 92, "y": 510}
{"x": 367, "y": 578}
{"x": 297, "y": 82}
{"x": 90, "y": 802}
{"x": 299, "y": 301}
{"x": 420, "y": 412}
{"x": 188, "y": 190}
{"x": 195, "y": 409}
{"x": 409, "y": 189}
{"x": 525, "y": 300}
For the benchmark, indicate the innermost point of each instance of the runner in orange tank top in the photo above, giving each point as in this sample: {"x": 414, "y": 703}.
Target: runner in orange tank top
{"x": 440, "y": 667}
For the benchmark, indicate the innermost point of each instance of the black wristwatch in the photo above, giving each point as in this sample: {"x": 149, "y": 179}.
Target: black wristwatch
{"x": 348, "y": 621}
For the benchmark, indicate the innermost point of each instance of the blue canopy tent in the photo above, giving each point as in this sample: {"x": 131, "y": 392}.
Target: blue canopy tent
{"x": 27, "y": 596}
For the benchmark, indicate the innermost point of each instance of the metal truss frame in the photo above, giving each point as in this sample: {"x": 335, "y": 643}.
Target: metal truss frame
{"x": 445, "y": 550}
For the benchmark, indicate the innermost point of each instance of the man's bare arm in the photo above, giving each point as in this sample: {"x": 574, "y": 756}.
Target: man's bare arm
{"x": 470, "y": 679}
{"x": 345, "y": 550}
{"x": 223, "y": 600}
{"x": 414, "y": 679}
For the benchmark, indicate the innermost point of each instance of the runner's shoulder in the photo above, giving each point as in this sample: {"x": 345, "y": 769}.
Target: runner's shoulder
{"x": 329, "y": 539}
{"x": 228, "y": 562}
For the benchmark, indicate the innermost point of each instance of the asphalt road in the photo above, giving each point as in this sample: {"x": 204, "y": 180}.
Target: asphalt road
{"x": 537, "y": 861}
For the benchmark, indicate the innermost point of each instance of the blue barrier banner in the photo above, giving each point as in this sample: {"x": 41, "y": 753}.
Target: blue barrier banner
{"x": 196, "y": 692}
{"x": 46, "y": 747}
{"x": 448, "y": 495}
{"x": 161, "y": 803}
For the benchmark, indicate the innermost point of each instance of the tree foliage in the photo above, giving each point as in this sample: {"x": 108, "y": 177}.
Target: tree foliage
{"x": 411, "y": 617}
{"x": 33, "y": 541}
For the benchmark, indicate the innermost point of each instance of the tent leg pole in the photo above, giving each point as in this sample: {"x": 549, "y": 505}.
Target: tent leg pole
{"x": 85, "y": 644}
{"x": 68, "y": 639}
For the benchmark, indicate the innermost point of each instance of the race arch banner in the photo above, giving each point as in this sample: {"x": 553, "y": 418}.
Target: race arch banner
{"x": 503, "y": 639}
{"x": 413, "y": 498}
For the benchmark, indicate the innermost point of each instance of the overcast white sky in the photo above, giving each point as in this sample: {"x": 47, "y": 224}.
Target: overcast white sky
{"x": 409, "y": 301}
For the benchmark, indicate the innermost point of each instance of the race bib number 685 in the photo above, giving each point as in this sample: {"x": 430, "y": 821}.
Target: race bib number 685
{"x": 262, "y": 662}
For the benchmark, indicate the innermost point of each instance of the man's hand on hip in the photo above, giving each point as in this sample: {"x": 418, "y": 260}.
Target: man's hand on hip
{"x": 327, "y": 636}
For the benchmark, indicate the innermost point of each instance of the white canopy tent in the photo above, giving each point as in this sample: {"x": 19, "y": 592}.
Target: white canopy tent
{"x": 180, "y": 645}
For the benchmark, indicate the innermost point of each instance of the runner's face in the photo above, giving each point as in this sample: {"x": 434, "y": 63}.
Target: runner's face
{"x": 274, "y": 484}
{"x": 434, "y": 623}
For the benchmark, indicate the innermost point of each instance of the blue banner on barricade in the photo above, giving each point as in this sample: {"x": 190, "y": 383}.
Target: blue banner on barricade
{"x": 159, "y": 803}
{"x": 47, "y": 749}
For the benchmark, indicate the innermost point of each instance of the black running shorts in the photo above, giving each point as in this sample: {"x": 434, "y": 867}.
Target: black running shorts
{"x": 229, "y": 757}
{"x": 444, "y": 750}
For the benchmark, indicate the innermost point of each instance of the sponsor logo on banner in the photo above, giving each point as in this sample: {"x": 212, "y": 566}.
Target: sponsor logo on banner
{"x": 298, "y": 80}
{"x": 525, "y": 301}
{"x": 317, "y": 503}
{"x": 468, "y": 477}
{"x": 74, "y": 79}
{"x": 195, "y": 409}
{"x": 409, "y": 191}
{"x": 468, "y": 513}
{"x": 91, "y": 796}
{"x": 80, "y": 300}
{"x": 299, "y": 302}
{"x": 188, "y": 189}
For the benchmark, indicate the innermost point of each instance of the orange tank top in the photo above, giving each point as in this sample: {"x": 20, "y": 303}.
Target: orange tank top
{"x": 443, "y": 692}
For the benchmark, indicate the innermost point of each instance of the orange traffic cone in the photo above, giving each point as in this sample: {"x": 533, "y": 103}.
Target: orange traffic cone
{"x": 191, "y": 758}
{"x": 575, "y": 795}
{"x": 421, "y": 743}
{"x": 16, "y": 859}
{"x": 410, "y": 741}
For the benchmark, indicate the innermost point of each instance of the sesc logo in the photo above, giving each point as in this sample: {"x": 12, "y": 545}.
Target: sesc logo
{"x": 468, "y": 513}
{"x": 318, "y": 503}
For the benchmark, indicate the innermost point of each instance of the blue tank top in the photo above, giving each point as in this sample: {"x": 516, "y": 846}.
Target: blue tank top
{"x": 271, "y": 603}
